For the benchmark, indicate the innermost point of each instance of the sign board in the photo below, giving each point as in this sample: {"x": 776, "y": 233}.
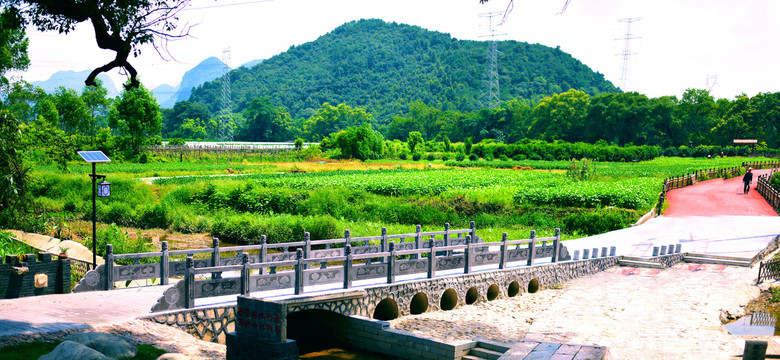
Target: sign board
{"x": 745, "y": 141}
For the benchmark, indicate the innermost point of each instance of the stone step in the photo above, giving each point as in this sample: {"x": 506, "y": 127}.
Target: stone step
{"x": 493, "y": 345}
{"x": 722, "y": 257}
{"x": 716, "y": 261}
{"x": 641, "y": 264}
{"x": 636, "y": 258}
{"x": 483, "y": 353}
{"x": 471, "y": 357}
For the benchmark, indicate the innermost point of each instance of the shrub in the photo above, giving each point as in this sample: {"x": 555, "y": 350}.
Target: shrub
{"x": 503, "y": 157}
{"x": 416, "y": 156}
{"x": 534, "y": 156}
{"x": 431, "y": 157}
{"x": 597, "y": 222}
{"x": 473, "y": 157}
{"x": 176, "y": 141}
{"x": 460, "y": 157}
{"x": 445, "y": 158}
{"x": 402, "y": 155}
{"x": 519, "y": 157}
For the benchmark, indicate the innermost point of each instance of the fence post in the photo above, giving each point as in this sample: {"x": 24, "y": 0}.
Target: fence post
{"x": 164, "y": 265}
{"x": 306, "y": 245}
{"x": 383, "y": 242}
{"x": 189, "y": 283}
{"x": 299, "y": 272}
{"x": 504, "y": 246}
{"x": 261, "y": 256}
{"x": 447, "y": 237}
{"x": 245, "y": 274}
{"x": 432, "y": 259}
{"x": 467, "y": 255}
{"x": 348, "y": 266}
{"x": 109, "y": 262}
{"x": 215, "y": 260}
{"x": 417, "y": 240}
{"x": 347, "y": 238}
{"x": 391, "y": 264}
{"x": 557, "y": 245}
{"x": 532, "y": 248}
{"x": 473, "y": 227}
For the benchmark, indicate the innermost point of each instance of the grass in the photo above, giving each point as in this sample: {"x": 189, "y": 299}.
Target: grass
{"x": 37, "y": 349}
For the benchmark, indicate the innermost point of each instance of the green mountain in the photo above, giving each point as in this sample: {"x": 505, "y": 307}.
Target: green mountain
{"x": 383, "y": 67}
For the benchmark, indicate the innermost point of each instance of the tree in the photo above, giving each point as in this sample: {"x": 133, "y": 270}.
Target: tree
{"x": 13, "y": 43}
{"x": 264, "y": 122}
{"x": 415, "y": 138}
{"x": 696, "y": 112}
{"x": 360, "y": 143}
{"x": 95, "y": 98}
{"x": 74, "y": 114}
{"x": 329, "y": 119}
{"x": 182, "y": 110}
{"x": 619, "y": 117}
{"x": 136, "y": 115}
{"x": 561, "y": 116}
{"x": 120, "y": 25}
{"x": 14, "y": 200}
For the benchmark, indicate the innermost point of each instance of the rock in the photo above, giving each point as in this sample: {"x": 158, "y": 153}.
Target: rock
{"x": 68, "y": 350}
{"x": 113, "y": 346}
{"x": 173, "y": 356}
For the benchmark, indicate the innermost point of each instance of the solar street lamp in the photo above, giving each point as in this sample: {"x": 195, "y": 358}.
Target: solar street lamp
{"x": 103, "y": 190}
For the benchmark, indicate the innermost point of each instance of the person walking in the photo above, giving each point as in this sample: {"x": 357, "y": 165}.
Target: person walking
{"x": 747, "y": 179}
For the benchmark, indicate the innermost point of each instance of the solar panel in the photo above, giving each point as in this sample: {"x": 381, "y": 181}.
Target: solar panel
{"x": 94, "y": 156}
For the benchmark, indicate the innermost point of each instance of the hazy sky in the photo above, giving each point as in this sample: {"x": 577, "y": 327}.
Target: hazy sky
{"x": 680, "y": 43}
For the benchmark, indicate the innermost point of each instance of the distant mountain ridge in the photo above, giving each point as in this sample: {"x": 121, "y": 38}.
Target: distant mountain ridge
{"x": 74, "y": 80}
{"x": 384, "y": 67}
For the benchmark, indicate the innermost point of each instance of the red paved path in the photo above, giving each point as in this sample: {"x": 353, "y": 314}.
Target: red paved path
{"x": 718, "y": 197}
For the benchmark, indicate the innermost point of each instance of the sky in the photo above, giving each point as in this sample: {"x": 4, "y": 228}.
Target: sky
{"x": 676, "y": 45}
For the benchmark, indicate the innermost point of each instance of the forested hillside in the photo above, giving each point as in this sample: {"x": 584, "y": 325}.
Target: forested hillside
{"x": 383, "y": 67}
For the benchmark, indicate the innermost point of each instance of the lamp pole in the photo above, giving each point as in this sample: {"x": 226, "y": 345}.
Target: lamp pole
{"x": 94, "y": 157}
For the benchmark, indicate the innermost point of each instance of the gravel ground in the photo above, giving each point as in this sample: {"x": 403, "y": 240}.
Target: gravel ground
{"x": 638, "y": 313}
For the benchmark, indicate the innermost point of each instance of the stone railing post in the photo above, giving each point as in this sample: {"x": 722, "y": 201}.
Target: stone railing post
{"x": 556, "y": 245}
{"x": 467, "y": 255}
{"x": 306, "y": 245}
{"x": 348, "y": 266}
{"x": 504, "y": 248}
{"x": 165, "y": 265}
{"x": 473, "y": 227}
{"x": 189, "y": 283}
{"x": 432, "y": 258}
{"x": 299, "y": 272}
{"x": 447, "y": 237}
{"x": 532, "y": 248}
{"x": 262, "y": 253}
{"x": 245, "y": 274}
{"x": 417, "y": 240}
{"x": 215, "y": 258}
{"x": 383, "y": 242}
{"x": 391, "y": 264}
{"x": 109, "y": 285}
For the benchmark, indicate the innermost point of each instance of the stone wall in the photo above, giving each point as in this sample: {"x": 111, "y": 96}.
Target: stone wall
{"x": 18, "y": 276}
{"x": 210, "y": 324}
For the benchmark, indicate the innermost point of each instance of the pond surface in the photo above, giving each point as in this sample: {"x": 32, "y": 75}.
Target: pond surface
{"x": 761, "y": 323}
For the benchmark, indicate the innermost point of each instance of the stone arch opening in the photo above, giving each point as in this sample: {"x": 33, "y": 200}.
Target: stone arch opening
{"x": 492, "y": 292}
{"x": 316, "y": 330}
{"x": 472, "y": 295}
{"x": 419, "y": 304}
{"x": 449, "y": 300}
{"x": 387, "y": 309}
{"x": 513, "y": 289}
{"x": 533, "y": 286}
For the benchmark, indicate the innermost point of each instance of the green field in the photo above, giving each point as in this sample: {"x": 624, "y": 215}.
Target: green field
{"x": 325, "y": 202}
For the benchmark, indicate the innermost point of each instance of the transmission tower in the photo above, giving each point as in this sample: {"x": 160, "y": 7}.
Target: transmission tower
{"x": 226, "y": 112}
{"x": 490, "y": 95}
{"x": 712, "y": 80}
{"x": 624, "y": 71}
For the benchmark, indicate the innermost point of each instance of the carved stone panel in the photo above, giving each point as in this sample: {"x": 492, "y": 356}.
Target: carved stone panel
{"x": 450, "y": 262}
{"x": 405, "y": 267}
{"x": 372, "y": 271}
{"x": 276, "y": 281}
{"x": 217, "y": 287}
{"x": 323, "y": 276}
{"x": 136, "y": 272}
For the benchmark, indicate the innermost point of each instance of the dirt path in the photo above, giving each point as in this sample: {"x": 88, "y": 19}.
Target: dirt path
{"x": 718, "y": 197}
{"x": 637, "y": 313}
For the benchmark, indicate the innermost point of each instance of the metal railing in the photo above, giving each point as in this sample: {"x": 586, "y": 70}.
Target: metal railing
{"x": 350, "y": 266}
{"x": 769, "y": 269}
{"x": 770, "y": 194}
{"x": 164, "y": 265}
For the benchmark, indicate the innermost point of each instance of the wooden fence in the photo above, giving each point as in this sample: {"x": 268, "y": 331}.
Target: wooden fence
{"x": 165, "y": 264}
{"x": 349, "y": 266}
{"x": 769, "y": 193}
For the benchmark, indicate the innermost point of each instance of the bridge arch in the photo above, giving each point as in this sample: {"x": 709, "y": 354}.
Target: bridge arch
{"x": 316, "y": 329}
{"x": 472, "y": 295}
{"x": 419, "y": 303}
{"x": 492, "y": 292}
{"x": 513, "y": 289}
{"x": 387, "y": 309}
{"x": 449, "y": 299}
{"x": 533, "y": 286}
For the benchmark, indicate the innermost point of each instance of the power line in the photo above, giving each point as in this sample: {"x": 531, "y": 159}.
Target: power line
{"x": 490, "y": 96}
{"x": 226, "y": 5}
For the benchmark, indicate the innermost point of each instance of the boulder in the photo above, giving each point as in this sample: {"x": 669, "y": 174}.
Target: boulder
{"x": 113, "y": 346}
{"x": 68, "y": 350}
{"x": 173, "y": 356}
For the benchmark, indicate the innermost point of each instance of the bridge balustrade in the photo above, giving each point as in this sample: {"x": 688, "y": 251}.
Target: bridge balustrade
{"x": 166, "y": 265}
{"x": 349, "y": 266}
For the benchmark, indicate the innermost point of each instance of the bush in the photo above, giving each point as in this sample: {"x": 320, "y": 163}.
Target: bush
{"x": 445, "y": 158}
{"x": 176, "y": 141}
{"x": 503, "y": 157}
{"x": 402, "y": 155}
{"x": 597, "y": 222}
{"x": 460, "y": 157}
{"x": 535, "y": 157}
{"x": 431, "y": 157}
{"x": 247, "y": 229}
{"x": 519, "y": 157}
{"x": 473, "y": 157}
{"x": 416, "y": 156}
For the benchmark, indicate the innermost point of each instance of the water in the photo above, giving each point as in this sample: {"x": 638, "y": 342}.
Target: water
{"x": 760, "y": 323}
{"x": 340, "y": 354}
